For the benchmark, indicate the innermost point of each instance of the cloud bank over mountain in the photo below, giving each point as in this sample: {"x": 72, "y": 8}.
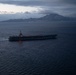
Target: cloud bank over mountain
{"x": 62, "y": 7}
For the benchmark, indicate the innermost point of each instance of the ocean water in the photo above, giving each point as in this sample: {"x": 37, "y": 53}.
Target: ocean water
{"x": 46, "y": 57}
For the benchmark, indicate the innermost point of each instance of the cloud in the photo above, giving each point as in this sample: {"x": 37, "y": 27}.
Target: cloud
{"x": 69, "y": 1}
{"x": 24, "y": 3}
{"x": 38, "y": 2}
{"x": 8, "y": 8}
{"x": 62, "y": 7}
{"x": 31, "y": 2}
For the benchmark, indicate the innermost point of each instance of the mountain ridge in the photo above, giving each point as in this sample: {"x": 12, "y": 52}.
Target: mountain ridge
{"x": 49, "y": 17}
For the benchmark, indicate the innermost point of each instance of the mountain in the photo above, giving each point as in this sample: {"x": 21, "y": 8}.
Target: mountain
{"x": 56, "y": 17}
{"x": 50, "y": 17}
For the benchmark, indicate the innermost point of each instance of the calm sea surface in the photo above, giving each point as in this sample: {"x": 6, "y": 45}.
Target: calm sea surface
{"x": 46, "y": 57}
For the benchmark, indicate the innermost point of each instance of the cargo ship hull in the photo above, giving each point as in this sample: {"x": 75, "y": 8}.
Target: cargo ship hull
{"x": 32, "y": 38}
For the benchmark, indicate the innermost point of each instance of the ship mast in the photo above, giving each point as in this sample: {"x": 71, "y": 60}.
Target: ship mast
{"x": 20, "y": 35}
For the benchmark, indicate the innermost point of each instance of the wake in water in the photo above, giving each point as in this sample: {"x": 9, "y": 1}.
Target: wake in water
{"x": 3, "y": 39}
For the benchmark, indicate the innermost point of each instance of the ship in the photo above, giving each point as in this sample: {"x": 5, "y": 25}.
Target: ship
{"x": 20, "y": 37}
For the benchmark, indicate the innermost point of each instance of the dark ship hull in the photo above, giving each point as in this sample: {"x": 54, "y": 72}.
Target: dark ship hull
{"x": 32, "y": 38}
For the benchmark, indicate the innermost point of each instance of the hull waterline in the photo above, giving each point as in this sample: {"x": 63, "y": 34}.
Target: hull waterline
{"x": 32, "y": 38}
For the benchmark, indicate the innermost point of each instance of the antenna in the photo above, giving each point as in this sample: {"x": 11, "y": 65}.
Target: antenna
{"x": 20, "y": 35}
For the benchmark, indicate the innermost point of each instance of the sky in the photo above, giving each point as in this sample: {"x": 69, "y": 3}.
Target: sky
{"x": 14, "y": 9}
